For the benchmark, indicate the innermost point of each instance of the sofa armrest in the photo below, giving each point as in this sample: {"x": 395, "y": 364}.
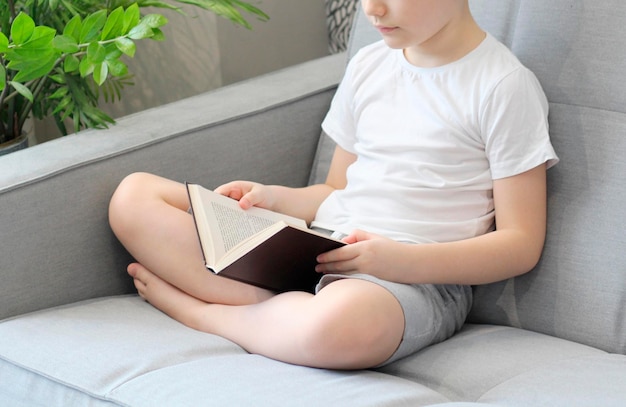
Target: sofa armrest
{"x": 55, "y": 243}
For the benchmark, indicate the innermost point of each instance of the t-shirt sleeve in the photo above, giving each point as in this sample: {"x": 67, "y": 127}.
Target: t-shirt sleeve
{"x": 514, "y": 125}
{"x": 339, "y": 123}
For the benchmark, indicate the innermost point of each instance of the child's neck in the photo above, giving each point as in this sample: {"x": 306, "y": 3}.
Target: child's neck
{"x": 450, "y": 44}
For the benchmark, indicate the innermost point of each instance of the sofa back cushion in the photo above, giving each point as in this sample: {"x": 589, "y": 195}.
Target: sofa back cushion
{"x": 576, "y": 48}
{"x": 578, "y": 290}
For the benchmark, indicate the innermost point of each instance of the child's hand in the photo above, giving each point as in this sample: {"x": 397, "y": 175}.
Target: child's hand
{"x": 248, "y": 194}
{"x": 365, "y": 253}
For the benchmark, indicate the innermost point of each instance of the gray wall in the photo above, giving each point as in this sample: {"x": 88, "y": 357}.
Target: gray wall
{"x": 202, "y": 52}
{"x": 295, "y": 33}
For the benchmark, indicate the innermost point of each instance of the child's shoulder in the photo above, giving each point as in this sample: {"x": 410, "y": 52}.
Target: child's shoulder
{"x": 498, "y": 51}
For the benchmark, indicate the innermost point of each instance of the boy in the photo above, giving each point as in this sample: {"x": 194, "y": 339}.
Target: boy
{"x": 440, "y": 131}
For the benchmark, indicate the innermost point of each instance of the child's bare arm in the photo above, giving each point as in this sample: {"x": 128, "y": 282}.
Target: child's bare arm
{"x": 513, "y": 249}
{"x": 298, "y": 202}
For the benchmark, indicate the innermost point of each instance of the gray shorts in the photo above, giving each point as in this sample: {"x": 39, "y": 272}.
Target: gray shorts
{"x": 432, "y": 313}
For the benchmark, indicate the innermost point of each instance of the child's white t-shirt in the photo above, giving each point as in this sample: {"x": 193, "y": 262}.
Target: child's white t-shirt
{"x": 430, "y": 141}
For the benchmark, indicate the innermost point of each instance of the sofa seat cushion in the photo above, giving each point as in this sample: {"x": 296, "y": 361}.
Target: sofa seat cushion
{"x": 584, "y": 381}
{"x": 484, "y": 363}
{"x": 122, "y": 351}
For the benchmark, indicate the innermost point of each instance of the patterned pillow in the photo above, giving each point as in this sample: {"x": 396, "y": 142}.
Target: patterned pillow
{"x": 339, "y": 15}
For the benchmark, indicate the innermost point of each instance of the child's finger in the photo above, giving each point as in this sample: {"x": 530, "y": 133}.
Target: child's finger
{"x": 254, "y": 197}
{"x": 357, "y": 236}
{"x": 341, "y": 254}
{"x": 231, "y": 190}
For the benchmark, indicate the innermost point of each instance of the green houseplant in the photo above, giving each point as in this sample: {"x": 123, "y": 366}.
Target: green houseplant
{"x": 59, "y": 57}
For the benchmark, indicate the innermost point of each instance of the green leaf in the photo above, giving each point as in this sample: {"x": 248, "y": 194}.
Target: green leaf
{"x": 22, "y": 28}
{"x": 39, "y": 70}
{"x": 140, "y": 32}
{"x": 92, "y": 26}
{"x": 114, "y": 25}
{"x": 93, "y": 117}
{"x": 131, "y": 18}
{"x": 158, "y": 35}
{"x": 22, "y": 90}
{"x": 24, "y": 58}
{"x": 27, "y": 55}
{"x": 33, "y": 52}
{"x": 100, "y": 73}
{"x": 39, "y": 46}
{"x": 154, "y": 20}
{"x": 41, "y": 35}
{"x": 85, "y": 67}
{"x": 229, "y": 9}
{"x": 96, "y": 52}
{"x": 117, "y": 67}
{"x": 58, "y": 76}
{"x": 70, "y": 6}
{"x": 230, "y": 13}
{"x": 71, "y": 63}
{"x": 126, "y": 45}
{"x": 65, "y": 44}
{"x": 63, "y": 104}
{"x": 249, "y": 8}
{"x": 3, "y": 77}
{"x": 73, "y": 28}
{"x": 60, "y": 79}
{"x": 161, "y": 4}
{"x": 68, "y": 110}
{"x": 4, "y": 42}
{"x": 61, "y": 92}
{"x": 112, "y": 52}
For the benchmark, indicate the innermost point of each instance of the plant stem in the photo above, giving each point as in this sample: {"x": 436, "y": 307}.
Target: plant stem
{"x": 4, "y": 129}
{"x": 27, "y": 108}
{"x": 40, "y": 83}
{"x": 12, "y": 9}
{"x": 6, "y": 81}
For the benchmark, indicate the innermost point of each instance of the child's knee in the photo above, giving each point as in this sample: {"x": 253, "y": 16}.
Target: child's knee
{"x": 357, "y": 331}
{"x": 336, "y": 342}
{"x": 124, "y": 198}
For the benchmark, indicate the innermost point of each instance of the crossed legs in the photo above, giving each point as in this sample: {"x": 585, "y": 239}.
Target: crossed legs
{"x": 350, "y": 324}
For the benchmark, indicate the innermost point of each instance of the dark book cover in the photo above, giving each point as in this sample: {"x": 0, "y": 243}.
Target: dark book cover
{"x": 284, "y": 262}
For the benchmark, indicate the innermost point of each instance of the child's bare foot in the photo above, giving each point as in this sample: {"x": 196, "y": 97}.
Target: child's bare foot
{"x": 167, "y": 298}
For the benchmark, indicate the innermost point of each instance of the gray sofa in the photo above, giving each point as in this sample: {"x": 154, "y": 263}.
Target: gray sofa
{"x": 73, "y": 333}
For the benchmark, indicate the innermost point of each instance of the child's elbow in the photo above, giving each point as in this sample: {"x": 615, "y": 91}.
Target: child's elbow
{"x": 531, "y": 255}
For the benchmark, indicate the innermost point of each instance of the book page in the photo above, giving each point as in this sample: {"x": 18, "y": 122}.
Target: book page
{"x": 236, "y": 225}
{"x": 222, "y": 224}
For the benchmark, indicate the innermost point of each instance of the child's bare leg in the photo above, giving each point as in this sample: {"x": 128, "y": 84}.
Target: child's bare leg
{"x": 350, "y": 324}
{"x": 149, "y": 216}
{"x": 163, "y": 295}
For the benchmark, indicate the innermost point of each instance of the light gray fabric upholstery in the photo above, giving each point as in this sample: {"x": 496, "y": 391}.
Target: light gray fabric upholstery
{"x": 122, "y": 351}
{"x": 579, "y": 288}
{"x": 481, "y": 358}
{"x": 553, "y": 337}
{"x": 591, "y": 381}
{"x": 499, "y": 18}
{"x": 56, "y": 243}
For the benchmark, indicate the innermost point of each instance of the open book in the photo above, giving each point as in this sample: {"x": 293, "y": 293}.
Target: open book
{"x": 256, "y": 246}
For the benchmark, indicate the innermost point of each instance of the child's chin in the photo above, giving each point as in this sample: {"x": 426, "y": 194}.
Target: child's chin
{"x": 394, "y": 43}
